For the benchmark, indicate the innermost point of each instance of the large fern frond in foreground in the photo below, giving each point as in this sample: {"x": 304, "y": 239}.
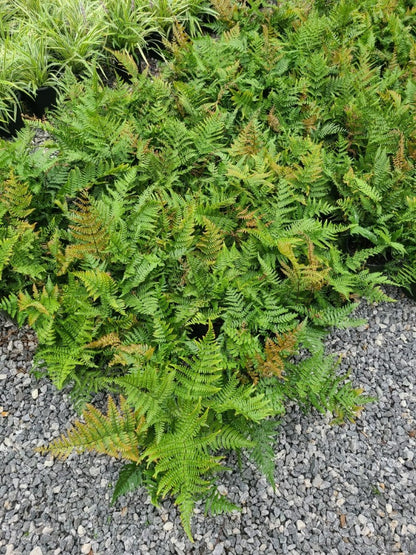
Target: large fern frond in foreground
{"x": 118, "y": 434}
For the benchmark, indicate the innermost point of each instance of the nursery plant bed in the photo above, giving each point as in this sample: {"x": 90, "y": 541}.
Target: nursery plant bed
{"x": 201, "y": 228}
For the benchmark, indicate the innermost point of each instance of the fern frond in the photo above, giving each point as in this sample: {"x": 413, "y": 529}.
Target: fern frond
{"x": 15, "y": 197}
{"x": 276, "y": 351}
{"x": 217, "y": 504}
{"x": 129, "y": 479}
{"x": 263, "y": 436}
{"x": 118, "y": 433}
{"x": 88, "y": 231}
{"x": 202, "y": 376}
{"x": 149, "y": 390}
{"x": 100, "y": 285}
{"x": 211, "y": 241}
{"x": 242, "y": 400}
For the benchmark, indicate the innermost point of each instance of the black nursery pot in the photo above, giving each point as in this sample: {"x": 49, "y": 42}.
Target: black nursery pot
{"x": 122, "y": 72}
{"x": 45, "y": 98}
{"x": 13, "y": 125}
{"x": 154, "y": 41}
{"x": 35, "y": 105}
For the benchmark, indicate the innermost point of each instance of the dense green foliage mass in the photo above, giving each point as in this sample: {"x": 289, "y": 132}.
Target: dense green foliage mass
{"x": 186, "y": 239}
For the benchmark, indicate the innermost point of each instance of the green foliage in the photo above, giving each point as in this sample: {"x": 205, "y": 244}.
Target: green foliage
{"x": 187, "y": 239}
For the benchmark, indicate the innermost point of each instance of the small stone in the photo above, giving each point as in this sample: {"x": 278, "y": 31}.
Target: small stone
{"x": 393, "y": 524}
{"x": 95, "y": 471}
{"x": 81, "y": 531}
{"x": 411, "y": 528}
{"x": 86, "y": 548}
{"x": 3, "y": 376}
{"x": 389, "y": 508}
{"x": 35, "y": 394}
{"x": 168, "y": 526}
{"x": 10, "y": 549}
{"x": 317, "y": 481}
{"x": 18, "y": 345}
{"x": 244, "y": 497}
{"x": 129, "y": 544}
{"x": 222, "y": 490}
{"x": 36, "y": 551}
{"x": 300, "y": 525}
{"x": 219, "y": 549}
{"x": 362, "y": 519}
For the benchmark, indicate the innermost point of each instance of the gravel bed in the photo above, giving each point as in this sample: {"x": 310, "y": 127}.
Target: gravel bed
{"x": 341, "y": 490}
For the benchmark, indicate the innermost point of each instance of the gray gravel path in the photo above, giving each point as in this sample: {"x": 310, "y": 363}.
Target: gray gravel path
{"x": 341, "y": 490}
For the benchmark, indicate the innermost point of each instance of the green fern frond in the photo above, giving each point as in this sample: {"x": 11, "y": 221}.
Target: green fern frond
{"x": 263, "y": 436}
{"x": 129, "y": 479}
{"x": 149, "y": 390}
{"x": 242, "y": 400}
{"x": 201, "y": 376}
{"x": 216, "y": 504}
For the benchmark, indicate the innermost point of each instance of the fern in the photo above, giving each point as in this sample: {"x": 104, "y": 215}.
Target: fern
{"x": 187, "y": 239}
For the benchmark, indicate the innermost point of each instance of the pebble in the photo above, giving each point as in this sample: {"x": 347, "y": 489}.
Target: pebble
{"x": 317, "y": 482}
{"x": 300, "y": 525}
{"x": 168, "y": 526}
{"x": 81, "y": 531}
{"x": 18, "y": 346}
{"x": 95, "y": 471}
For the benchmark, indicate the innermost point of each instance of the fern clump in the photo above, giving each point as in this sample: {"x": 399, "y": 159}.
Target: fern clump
{"x": 196, "y": 233}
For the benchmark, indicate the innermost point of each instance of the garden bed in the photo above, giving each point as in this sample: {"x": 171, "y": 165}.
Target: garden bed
{"x": 190, "y": 230}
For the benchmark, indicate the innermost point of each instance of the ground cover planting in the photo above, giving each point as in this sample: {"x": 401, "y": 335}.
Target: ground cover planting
{"x": 188, "y": 235}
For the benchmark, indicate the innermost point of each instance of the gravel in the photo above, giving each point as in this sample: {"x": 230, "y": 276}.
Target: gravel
{"x": 340, "y": 490}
